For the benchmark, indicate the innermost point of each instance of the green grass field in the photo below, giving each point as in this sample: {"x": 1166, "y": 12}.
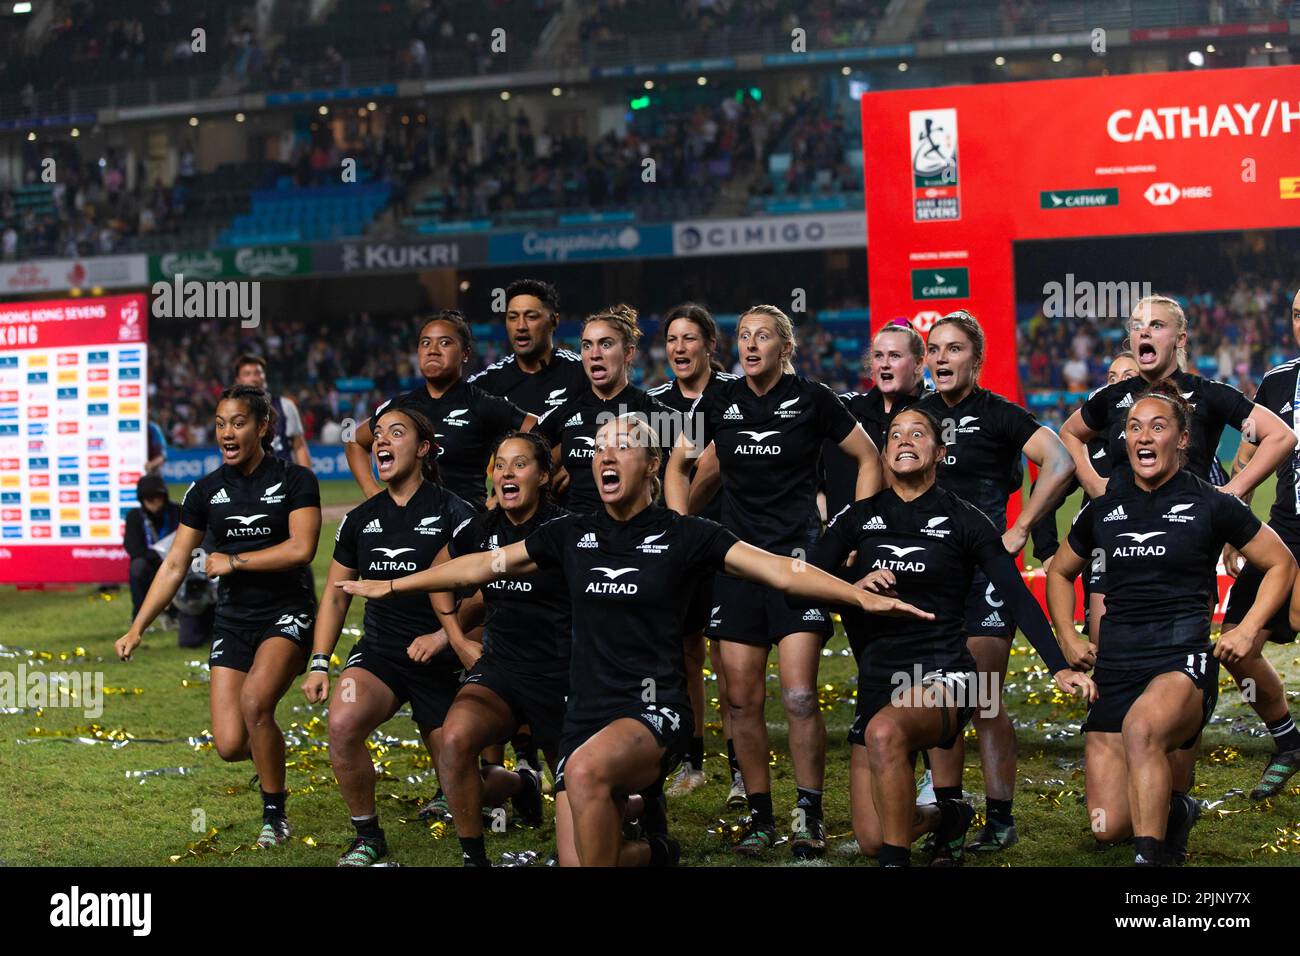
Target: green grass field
{"x": 69, "y": 803}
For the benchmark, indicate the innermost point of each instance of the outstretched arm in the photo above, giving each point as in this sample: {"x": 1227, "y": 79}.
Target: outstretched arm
{"x": 467, "y": 571}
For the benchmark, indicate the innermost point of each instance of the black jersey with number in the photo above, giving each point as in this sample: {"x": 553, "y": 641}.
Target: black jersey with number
{"x": 573, "y": 426}
{"x": 467, "y": 422}
{"x": 985, "y": 436}
{"x": 538, "y": 392}
{"x": 249, "y": 513}
{"x": 695, "y": 420}
{"x": 768, "y": 448}
{"x": 529, "y": 619}
{"x": 629, "y": 581}
{"x": 382, "y": 540}
{"x": 841, "y": 478}
{"x": 1279, "y": 392}
{"x": 1160, "y": 550}
{"x": 1215, "y": 406}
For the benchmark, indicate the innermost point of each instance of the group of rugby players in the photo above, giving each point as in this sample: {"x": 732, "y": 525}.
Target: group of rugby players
{"x": 563, "y": 603}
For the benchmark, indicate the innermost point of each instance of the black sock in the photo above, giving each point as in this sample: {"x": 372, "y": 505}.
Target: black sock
{"x": 1285, "y": 735}
{"x": 949, "y": 813}
{"x": 654, "y": 818}
{"x": 368, "y": 827}
{"x": 925, "y": 758}
{"x": 891, "y": 855}
{"x": 731, "y": 757}
{"x": 1149, "y": 851}
{"x": 810, "y": 802}
{"x": 760, "y": 808}
{"x": 1177, "y": 812}
{"x": 999, "y": 811}
{"x": 472, "y": 852}
{"x": 273, "y": 805}
{"x": 947, "y": 793}
{"x": 695, "y": 756}
{"x": 526, "y": 749}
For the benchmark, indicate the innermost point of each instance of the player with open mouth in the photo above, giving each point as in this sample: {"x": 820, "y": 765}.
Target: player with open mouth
{"x": 765, "y": 432}
{"x": 265, "y": 515}
{"x": 403, "y": 655}
{"x": 985, "y": 437}
{"x": 626, "y": 567}
{"x": 517, "y": 673}
{"x": 1159, "y": 528}
{"x": 1157, "y": 331}
{"x": 917, "y": 685}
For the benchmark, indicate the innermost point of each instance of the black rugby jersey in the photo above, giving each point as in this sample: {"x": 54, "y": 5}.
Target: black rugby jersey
{"x": 695, "y": 421}
{"x": 768, "y": 447}
{"x": 933, "y": 546}
{"x": 1215, "y": 406}
{"x": 528, "y": 618}
{"x": 1279, "y": 392}
{"x": 249, "y": 513}
{"x": 983, "y": 460}
{"x": 573, "y": 426}
{"x": 1160, "y": 549}
{"x": 627, "y": 581}
{"x": 559, "y": 380}
{"x": 382, "y": 541}
{"x": 841, "y": 472}
{"x": 467, "y": 422}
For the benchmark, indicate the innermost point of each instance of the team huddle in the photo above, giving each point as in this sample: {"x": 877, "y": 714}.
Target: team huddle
{"x": 565, "y": 603}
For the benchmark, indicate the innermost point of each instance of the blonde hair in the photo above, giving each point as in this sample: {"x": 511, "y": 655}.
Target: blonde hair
{"x": 641, "y": 434}
{"x": 784, "y": 330}
{"x": 1175, "y": 309}
{"x": 623, "y": 318}
{"x": 970, "y": 327}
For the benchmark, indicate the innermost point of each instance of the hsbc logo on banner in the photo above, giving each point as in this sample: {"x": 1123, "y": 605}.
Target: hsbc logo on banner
{"x": 924, "y": 321}
{"x": 1166, "y": 194}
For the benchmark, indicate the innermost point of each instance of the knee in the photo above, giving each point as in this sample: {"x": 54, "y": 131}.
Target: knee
{"x": 584, "y": 777}
{"x": 257, "y": 708}
{"x": 1140, "y": 736}
{"x": 800, "y": 702}
{"x": 1107, "y": 828}
{"x": 345, "y": 728}
{"x": 458, "y": 747}
{"x": 743, "y": 699}
{"x": 884, "y": 740}
{"x": 231, "y": 750}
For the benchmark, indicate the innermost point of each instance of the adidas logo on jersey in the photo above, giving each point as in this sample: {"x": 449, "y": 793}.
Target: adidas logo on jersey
{"x": 814, "y": 614}
{"x": 876, "y": 523}
{"x": 220, "y": 498}
{"x": 1285, "y": 409}
{"x": 588, "y": 540}
{"x": 1116, "y": 515}
{"x": 1125, "y": 402}
{"x": 732, "y": 414}
{"x": 654, "y": 719}
{"x": 574, "y": 422}
{"x": 1100, "y": 453}
{"x": 993, "y": 620}
{"x": 373, "y": 528}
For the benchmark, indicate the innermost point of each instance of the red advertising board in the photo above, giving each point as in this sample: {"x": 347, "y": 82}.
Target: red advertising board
{"x": 70, "y": 452}
{"x": 956, "y": 175}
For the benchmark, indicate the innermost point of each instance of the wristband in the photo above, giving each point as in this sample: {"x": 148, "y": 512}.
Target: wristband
{"x": 320, "y": 663}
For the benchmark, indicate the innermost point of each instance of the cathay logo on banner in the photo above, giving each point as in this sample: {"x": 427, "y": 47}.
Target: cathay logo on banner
{"x": 1197, "y": 122}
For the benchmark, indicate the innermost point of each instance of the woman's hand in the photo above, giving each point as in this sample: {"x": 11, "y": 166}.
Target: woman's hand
{"x": 425, "y": 647}
{"x": 1237, "y": 644}
{"x": 1079, "y": 654}
{"x": 890, "y": 606}
{"x": 127, "y": 643}
{"x": 1074, "y": 682}
{"x": 371, "y": 590}
{"x": 1013, "y": 540}
{"x": 218, "y": 565}
{"x": 316, "y": 687}
{"x": 1233, "y": 561}
{"x": 879, "y": 581}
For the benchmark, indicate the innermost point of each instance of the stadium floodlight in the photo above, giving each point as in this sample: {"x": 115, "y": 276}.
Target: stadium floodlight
{"x": 1209, "y": 48}
{"x": 324, "y": 110}
{"x": 1000, "y": 61}
{"x": 505, "y": 95}
{"x": 902, "y": 67}
{"x": 31, "y": 137}
{"x": 846, "y": 70}
{"x": 239, "y": 117}
{"x": 557, "y": 91}
{"x": 194, "y": 121}
{"x": 75, "y": 132}
{"x": 22, "y": 8}
{"x": 649, "y": 84}
{"x": 702, "y": 80}
{"x": 1196, "y": 58}
{"x": 1057, "y": 58}
{"x": 372, "y": 106}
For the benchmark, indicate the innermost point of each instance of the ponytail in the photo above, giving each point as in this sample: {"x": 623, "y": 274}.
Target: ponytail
{"x": 423, "y": 432}
{"x": 259, "y": 406}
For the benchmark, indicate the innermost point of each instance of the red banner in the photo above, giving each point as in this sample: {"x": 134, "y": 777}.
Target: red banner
{"x": 955, "y": 176}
